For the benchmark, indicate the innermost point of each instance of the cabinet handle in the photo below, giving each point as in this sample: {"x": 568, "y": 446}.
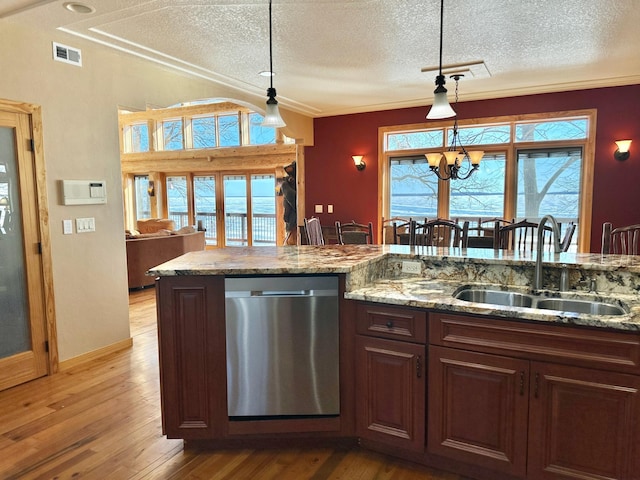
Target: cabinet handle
{"x": 389, "y": 324}
{"x": 419, "y": 366}
{"x": 522, "y": 383}
{"x": 535, "y": 392}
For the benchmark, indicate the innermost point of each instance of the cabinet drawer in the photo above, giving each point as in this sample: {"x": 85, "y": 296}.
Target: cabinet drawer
{"x": 392, "y": 322}
{"x": 618, "y": 351}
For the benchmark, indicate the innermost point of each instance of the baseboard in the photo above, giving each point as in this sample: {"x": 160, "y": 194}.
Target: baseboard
{"x": 94, "y": 354}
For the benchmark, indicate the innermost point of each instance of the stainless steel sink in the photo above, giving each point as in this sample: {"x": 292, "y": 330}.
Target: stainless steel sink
{"x": 507, "y": 298}
{"x": 579, "y": 306}
{"x": 495, "y": 297}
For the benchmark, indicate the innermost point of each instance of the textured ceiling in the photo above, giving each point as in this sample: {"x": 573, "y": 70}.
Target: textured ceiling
{"x": 333, "y": 57}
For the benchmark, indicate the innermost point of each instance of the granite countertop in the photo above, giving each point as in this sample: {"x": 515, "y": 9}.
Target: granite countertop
{"x": 272, "y": 260}
{"x": 439, "y": 295}
{"x": 374, "y": 273}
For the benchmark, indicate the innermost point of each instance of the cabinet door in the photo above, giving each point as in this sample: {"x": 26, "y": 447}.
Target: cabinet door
{"x": 390, "y": 392}
{"x": 192, "y": 356}
{"x": 584, "y": 424}
{"x": 478, "y": 409}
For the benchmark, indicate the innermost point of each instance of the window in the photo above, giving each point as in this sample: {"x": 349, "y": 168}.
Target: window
{"x": 204, "y": 132}
{"x": 569, "y": 129}
{"x": 137, "y": 137}
{"x": 549, "y": 184}
{"x": 412, "y": 140}
{"x": 414, "y": 190}
{"x": 533, "y": 165}
{"x": 228, "y": 125}
{"x": 229, "y": 130}
{"x": 482, "y": 194}
{"x": 172, "y": 134}
{"x": 259, "y": 135}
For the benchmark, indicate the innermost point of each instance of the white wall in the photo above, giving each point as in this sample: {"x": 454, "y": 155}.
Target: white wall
{"x": 80, "y": 130}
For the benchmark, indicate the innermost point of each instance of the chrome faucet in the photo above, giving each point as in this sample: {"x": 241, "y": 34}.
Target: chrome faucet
{"x": 555, "y": 231}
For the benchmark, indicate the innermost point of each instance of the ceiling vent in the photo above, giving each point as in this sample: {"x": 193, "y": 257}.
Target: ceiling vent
{"x": 477, "y": 69}
{"x": 63, "y": 53}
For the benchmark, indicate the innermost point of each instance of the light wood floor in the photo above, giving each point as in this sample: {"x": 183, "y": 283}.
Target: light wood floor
{"x": 101, "y": 420}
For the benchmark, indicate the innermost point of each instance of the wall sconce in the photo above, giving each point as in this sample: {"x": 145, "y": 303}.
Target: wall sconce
{"x": 622, "y": 153}
{"x": 151, "y": 190}
{"x": 357, "y": 159}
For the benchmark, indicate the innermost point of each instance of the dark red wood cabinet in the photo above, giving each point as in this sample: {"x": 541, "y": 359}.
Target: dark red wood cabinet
{"x": 520, "y": 404}
{"x": 478, "y": 409}
{"x": 391, "y": 376}
{"x": 191, "y": 344}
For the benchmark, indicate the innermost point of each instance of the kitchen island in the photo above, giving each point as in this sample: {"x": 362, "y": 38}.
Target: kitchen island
{"x": 484, "y": 390}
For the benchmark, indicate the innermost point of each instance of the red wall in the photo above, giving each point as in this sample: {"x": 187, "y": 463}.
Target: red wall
{"x": 331, "y": 177}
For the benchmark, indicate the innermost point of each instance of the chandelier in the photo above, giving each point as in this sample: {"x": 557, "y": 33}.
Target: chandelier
{"x": 272, "y": 116}
{"x": 455, "y": 155}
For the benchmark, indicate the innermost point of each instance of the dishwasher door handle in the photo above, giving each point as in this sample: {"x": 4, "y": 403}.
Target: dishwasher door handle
{"x": 280, "y": 293}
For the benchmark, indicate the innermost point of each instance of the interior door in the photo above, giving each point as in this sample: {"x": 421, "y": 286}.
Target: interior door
{"x": 23, "y": 349}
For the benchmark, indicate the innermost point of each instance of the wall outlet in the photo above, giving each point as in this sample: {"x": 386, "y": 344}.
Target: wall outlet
{"x": 411, "y": 267}
{"x": 329, "y": 208}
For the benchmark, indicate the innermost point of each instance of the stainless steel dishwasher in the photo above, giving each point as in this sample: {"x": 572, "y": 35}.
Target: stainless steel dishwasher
{"x": 282, "y": 346}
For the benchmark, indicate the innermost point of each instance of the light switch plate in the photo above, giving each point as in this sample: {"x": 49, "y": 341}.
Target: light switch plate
{"x": 329, "y": 208}
{"x": 318, "y": 209}
{"x": 84, "y": 225}
{"x": 67, "y": 227}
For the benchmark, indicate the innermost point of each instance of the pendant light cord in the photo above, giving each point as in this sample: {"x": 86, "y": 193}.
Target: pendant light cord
{"x": 271, "y": 48}
{"x": 441, "y": 29}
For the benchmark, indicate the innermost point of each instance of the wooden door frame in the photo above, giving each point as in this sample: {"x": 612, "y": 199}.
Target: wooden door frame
{"x": 40, "y": 184}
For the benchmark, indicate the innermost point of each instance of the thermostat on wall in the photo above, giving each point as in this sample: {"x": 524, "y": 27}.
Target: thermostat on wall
{"x": 84, "y": 192}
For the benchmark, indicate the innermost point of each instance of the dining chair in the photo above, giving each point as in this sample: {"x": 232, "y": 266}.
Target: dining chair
{"x": 621, "y": 240}
{"x": 481, "y": 234}
{"x": 354, "y": 233}
{"x": 520, "y": 236}
{"x": 389, "y": 228}
{"x": 439, "y": 232}
{"x": 313, "y": 231}
{"x": 402, "y": 232}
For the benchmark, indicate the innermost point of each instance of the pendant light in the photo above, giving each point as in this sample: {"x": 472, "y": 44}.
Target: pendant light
{"x": 272, "y": 116}
{"x": 440, "y": 107}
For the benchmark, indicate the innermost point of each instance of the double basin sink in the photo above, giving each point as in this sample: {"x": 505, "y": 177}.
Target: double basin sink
{"x": 509, "y": 298}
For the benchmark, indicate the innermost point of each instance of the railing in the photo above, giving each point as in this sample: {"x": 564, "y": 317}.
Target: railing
{"x": 264, "y": 227}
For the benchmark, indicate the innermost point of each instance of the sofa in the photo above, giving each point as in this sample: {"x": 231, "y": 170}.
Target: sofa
{"x": 147, "y": 250}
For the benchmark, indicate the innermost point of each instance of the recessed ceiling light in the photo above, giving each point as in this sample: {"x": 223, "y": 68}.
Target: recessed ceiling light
{"x": 266, "y": 73}
{"x": 76, "y": 7}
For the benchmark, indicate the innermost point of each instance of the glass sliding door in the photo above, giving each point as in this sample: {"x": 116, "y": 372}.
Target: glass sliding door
{"x": 141, "y": 192}
{"x": 178, "y": 200}
{"x": 204, "y": 196}
{"x": 263, "y": 209}
{"x": 235, "y": 210}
